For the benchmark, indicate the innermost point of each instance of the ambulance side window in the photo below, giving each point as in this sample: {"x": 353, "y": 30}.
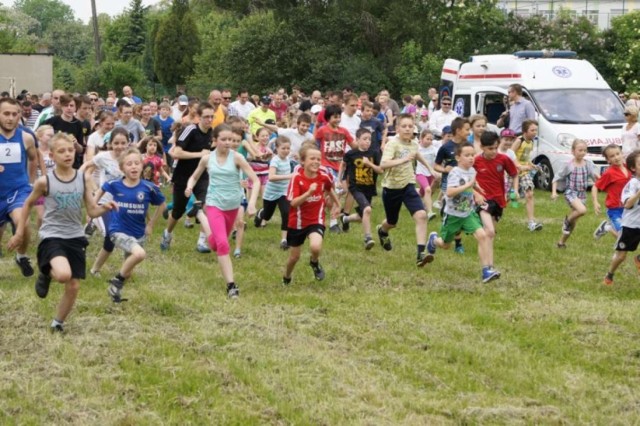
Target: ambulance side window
{"x": 494, "y": 105}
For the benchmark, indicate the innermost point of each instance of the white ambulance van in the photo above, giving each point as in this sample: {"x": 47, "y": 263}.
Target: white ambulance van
{"x": 571, "y": 99}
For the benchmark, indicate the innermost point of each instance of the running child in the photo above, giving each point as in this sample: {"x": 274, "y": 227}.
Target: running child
{"x": 523, "y": 147}
{"x": 630, "y": 232}
{"x": 460, "y": 213}
{"x": 362, "y": 167}
{"x": 275, "y": 195}
{"x": 399, "y": 187}
{"x": 260, "y": 163}
{"x": 491, "y": 167}
{"x": 128, "y": 227}
{"x": 612, "y": 182}
{"x": 61, "y": 252}
{"x": 574, "y": 178}
{"x": 152, "y": 149}
{"x": 427, "y": 177}
{"x": 306, "y": 194}
{"x": 224, "y": 196}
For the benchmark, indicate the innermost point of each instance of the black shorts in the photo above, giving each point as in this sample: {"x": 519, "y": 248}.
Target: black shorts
{"x": 392, "y": 199}
{"x": 492, "y": 208}
{"x": 180, "y": 200}
{"x": 362, "y": 199}
{"x": 296, "y": 237}
{"x": 628, "y": 239}
{"x": 73, "y": 249}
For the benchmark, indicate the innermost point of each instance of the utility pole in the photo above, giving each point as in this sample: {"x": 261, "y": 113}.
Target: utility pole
{"x": 96, "y": 33}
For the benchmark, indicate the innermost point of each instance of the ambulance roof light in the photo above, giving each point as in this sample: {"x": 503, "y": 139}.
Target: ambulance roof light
{"x": 545, "y": 54}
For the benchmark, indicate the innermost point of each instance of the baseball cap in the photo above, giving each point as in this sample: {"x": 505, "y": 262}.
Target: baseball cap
{"x": 507, "y": 133}
{"x": 265, "y": 100}
{"x": 316, "y": 109}
{"x": 446, "y": 129}
{"x": 183, "y": 100}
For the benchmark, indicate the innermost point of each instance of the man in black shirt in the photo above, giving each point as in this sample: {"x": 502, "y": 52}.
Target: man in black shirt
{"x": 67, "y": 123}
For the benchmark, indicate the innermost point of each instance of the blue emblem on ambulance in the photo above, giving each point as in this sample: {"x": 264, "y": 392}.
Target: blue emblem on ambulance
{"x": 562, "y": 72}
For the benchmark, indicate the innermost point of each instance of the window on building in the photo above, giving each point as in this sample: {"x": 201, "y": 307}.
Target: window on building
{"x": 592, "y": 15}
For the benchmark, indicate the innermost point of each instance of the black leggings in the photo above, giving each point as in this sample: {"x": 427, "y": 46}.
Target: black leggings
{"x": 269, "y": 207}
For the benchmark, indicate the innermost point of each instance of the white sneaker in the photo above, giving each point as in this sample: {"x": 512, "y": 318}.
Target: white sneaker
{"x": 601, "y": 230}
{"x": 437, "y": 205}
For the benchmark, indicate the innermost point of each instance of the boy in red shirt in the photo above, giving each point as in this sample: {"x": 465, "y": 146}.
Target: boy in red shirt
{"x": 306, "y": 195}
{"x": 612, "y": 181}
{"x": 332, "y": 141}
{"x": 491, "y": 166}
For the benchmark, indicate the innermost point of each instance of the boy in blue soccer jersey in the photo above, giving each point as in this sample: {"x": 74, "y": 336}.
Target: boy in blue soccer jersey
{"x": 128, "y": 228}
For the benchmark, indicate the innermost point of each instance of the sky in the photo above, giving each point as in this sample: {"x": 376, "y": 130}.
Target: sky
{"x": 82, "y": 8}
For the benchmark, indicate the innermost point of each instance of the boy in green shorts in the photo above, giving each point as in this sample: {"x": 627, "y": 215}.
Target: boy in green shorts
{"x": 460, "y": 213}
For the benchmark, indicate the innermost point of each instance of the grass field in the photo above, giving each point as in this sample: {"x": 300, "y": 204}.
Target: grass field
{"x": 378, "y": 342}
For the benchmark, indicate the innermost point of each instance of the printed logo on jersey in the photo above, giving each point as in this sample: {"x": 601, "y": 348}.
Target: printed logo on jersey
{"x": 500, "y": 169}
{"x": 140, "y": 196}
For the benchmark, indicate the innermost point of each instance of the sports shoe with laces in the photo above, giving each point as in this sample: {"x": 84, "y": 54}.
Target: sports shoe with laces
{"x": 286, "y": 281}
{"x": 335, "y": 229}
{"x": 459, "y": 249}
{"x": 424, "y": 258}
{"x": 566, "y": 226}
{"x": 165, "y": 242}
{"x": 385, "y": 241}
{"x": 369, "y": 243}
{"x": 257, "y": 219}
{"x": 89, "y": 229}
{"x": 318, "y": 272}
{"x": 42, "y": 285}
{"x": 601, "y": 230}
{"x": 193, "y": 211}
{"x": 431, "y": 243}
{"x": 25, "y": 266}
{"x": 57, "y": 328}
{"x": 284, "y": 245}
{"x": 431, "y": 216}
{"x": 233, "y": 291}
{"x": 534, "y": 226}
{"x": 115, "y": 290}
{"x": 608, "y": 279}
{"x": 344, "y": 224}
{"x": 489, "y": 274}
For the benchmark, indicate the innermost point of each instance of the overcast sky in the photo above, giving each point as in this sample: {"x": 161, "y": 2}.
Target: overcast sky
{"x": 82, "y": 8}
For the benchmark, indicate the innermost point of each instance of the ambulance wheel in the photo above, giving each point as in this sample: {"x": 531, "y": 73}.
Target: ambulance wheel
{"x": 544, "y": 177}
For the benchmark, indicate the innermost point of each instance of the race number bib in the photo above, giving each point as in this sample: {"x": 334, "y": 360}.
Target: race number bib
{"x": 10, "y": 153}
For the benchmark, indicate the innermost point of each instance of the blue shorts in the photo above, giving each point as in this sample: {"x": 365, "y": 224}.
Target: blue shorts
{"x": 615, "y": 216}
{"x": 392, "y": 199}
{"x": 12, "y": 201}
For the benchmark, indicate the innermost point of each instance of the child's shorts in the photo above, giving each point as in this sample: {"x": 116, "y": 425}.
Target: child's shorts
{"x": 424, "y": 182}
{"x": 491, "y": 207}
{"x": 570, "y": 196}
{"x": 296, "y": 237}
{"x": 263, "y": 181}
{"x": 392, "y": 199}
{"x": 362, "y": 199}
{"x": 72, "y": 249}
{"x": 126, "y": 242}
{"x": 615, "y": 216}
{"x": 525, "y": 184}
{"x": 452, "y": 225}
{"x": 628, "y": 239}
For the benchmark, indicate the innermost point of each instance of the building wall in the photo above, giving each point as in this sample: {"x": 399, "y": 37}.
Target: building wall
{"x": 600, "y": 12}
{"x": 33, "y": 72}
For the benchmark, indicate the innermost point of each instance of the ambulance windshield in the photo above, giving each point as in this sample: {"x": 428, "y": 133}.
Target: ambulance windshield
{"x": 579, "y": 106}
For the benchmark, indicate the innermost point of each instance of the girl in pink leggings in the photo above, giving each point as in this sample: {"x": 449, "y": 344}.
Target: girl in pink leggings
{"x": 224, "y": 196}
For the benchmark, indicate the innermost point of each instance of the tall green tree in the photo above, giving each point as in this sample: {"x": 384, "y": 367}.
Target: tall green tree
{"x": 177, "y": 42}
{"x": 136, "y": 33}
{"x": 46, "y": 12}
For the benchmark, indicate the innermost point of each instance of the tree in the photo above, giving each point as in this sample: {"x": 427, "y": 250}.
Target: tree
{"x": 176, "y": 44}
{"x": 71, "y": 41}
{"x": 46, "y": 12}
{"x": 135, "y": 36}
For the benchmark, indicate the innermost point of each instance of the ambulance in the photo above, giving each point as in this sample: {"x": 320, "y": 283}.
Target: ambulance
{"x": 572, "y": 100}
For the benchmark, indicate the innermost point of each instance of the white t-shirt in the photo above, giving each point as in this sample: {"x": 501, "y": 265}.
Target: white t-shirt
{"x": 352, "y": 124}
{"x": 108, "y": 166}
{"x": 630, "y": 140}
{"x": 463, "y": 204}
{"x": 631, "y": 217}
{"x": 296, "y": 140}
{"x": 438, "y": 120}
{"x": 242, "y": 110}
{"x": 429, "y": 153}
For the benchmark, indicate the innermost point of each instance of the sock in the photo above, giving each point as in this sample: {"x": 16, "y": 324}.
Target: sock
{"x": 313, "y": 263}
{"x": 120, "y": 278}
{"x": 167, "y": 232}
{"x": 383, "y": 232}
{"x": 367, "y": 236}
{"x": 333, "y": 222}
{"x": 56, "y": 323}
{"x": 421, "y": 248}
{"x": 458, "y": 242}
{"x": 345, "y": 219}
{"x": 20, "y": 256}
{"x": 231, "y": 285}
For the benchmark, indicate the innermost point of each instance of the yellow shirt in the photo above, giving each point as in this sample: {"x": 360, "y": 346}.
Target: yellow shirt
{"x": 262, "y": 115}
{"x": 404, "y": 174}
{"x": 523, "y": 154}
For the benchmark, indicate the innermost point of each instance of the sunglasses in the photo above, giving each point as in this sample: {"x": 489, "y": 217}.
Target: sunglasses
{"x": 94, "y": 99}
{"x": 446, "y": 104}
{"x": 627, "y": 113}
{"x": 227, "y": 98}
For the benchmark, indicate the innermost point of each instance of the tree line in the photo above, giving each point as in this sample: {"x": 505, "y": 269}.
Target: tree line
{"x": 314, "y": 44}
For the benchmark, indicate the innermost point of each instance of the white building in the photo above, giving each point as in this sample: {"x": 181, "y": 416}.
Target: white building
{"x": 599, "y": 12}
